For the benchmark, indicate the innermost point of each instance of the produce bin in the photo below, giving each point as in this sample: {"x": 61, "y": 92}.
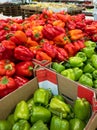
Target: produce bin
{"x": 48, "y": 79}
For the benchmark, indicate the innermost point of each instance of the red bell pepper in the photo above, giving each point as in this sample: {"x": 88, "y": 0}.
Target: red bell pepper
{"x": 25, "y": 68}
{"x": 23, "y": 53}
{"x": 7, "y": 68}
{"x": 7, "y": 85}
{"x": 8, "y": 44}
{"x": 20, "y": 81}
{"x": 70, "y": 49}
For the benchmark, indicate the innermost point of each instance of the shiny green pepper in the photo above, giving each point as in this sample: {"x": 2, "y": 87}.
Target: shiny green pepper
{"x": 30, "y": 104}
{"x": 59, "y": 107}
{"x": 77, "y": 72}
{"x": 76, "y": 61}
{"x": 90, "y": 44}
{"x": 21, "y": 111}
{"x": 59, "y": 124}
{"x": 5, "y": 125}
{"x": 42, "y": 96}
{"x": 68, "y": 73}
{"x": 21, "y": 125}
{"x": 82, "y": 55}
{"x": 94, "y": 74}
{"x": 94, "y": 60}
{"x": 11, "y": 120}
{"x": 40, "y": 113}
{"x": 76, "y": 124}
{"x": 58, "y": 67}
{"x": 88, "y": 68}
{"x": 95, "y": 83}
{"x": 82, "y": 109}
{"x": 39, "y": 125}
{"x": 86, "y": 80}
{"x": 89, "y": 51}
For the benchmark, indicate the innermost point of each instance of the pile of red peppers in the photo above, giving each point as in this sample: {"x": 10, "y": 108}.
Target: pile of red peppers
{"x": 47, "y": 36}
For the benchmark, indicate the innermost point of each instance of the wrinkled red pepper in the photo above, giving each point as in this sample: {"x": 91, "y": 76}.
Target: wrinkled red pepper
{"x": 7, "y": 68}
{"x": 24, "y": 68}
{"x": 23, "y": 53}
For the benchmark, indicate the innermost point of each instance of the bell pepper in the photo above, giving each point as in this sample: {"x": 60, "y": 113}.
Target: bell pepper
{"x": 20, "y": 80}
{"x": 21, "y": 36}
{"x": 68, "y": 73}
{"x": 31, "y": 42}
{"x": 40, "y": 113}
{"x": 89, "y": 51}
{"x": 94, "y": 74}
{"x": 90, "y": 43}
{"x": 21, "y": 125}
{"x": 8, "y": 44}
{"x": 5, "y": 125}
{"x": 94, "y": 37}
{"x": 86, "y": 80}
{"x": 82, "y": 55}
{"x": 59, "y": 124}
{"x": 76, "y": 124}
{"x": 49, "y": 49}
{"x": 95, "y": 84}
{"x": 70, "y": 49}
{"x": 23, "y": 53}
{"x": 40, "y": 55}
{"x": 42, "y": 96}
{"x": 77, "y": 72}
{"x": 60, "y": 97}
{"x": 11, "y": 120}
{"x": 88, "y": 68}
{"x": 59, "y": 107}
{"x": 21, "y": 111}
{"x": 7, "y": 68}
{"x": 24, "y": 68}
{"x": 76, "y": 34}
{"x": 70, "y": 25}
{"x": 39, "y": 125}
{"x": 94, "y": 60}
{"x": 59, "y": 23}
{"x": 34, "y": 49}
{"x": 76, "y": 61}
{"x": 61, "y": 39}
{"x": 58, "y": 67}
{"x": 37, "y": 35}
{"x": 30, "y": 104}
{"x": 82, "y": 109}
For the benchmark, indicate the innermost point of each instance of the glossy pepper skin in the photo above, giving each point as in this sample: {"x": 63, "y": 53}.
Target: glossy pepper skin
{"x": 39, "y": 125}
{"x": 90, "y": 44}
{"x": 82, "y": 109}
{"x": 89, "y": 51}
{"x": 59, "y": 124}
{"x": 86, "y": 80}
{"x": 23, "y": 53}
{"x": 68, "y": 73}
{"x": 94, "y": 74}
{"x": 42, "y": 96}
{"x": 82, "y": 55}
{"x": 88, "y": 68}
{"x": 24, "y": 68}
{"x": 21, "y": 125}
{"x": 59, "y": 107}
{"x": 5, "y": 125}
{"x": 76, "y": 124}
{"x": 7, "y": 68}
{"x": 58, "y": 67}
{"x": 77, "y": 72}
{"x": 94, "y": 60}
{"x": 21, "y": 111}
{"x": 40, "y": 113}
{"x": 76, "y": 61}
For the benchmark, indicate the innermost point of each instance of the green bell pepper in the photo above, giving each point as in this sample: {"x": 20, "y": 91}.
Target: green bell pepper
{"x": 21, "y": 125}
{"x": 76, "y": 124}
{"x": 76, "y": 61}
{"x": 95, "y": 74}
{"x": 21, "y": 111}
{"x": 30, "y": 104}
{"x": 39, "y": 125}
{"x": 77, "y": 72}
{"x": 40, "y": 113}
{"x": 5, "y": 125}
{"x": 59, "y": 124}
{"x": 90, "y": 44}
{"x": 42, "y": 96}
{"x": 60, "y": 97}
{"x": 58, "y": 67}
{"x": 59, "y": 107}
{"x": 11, "y": 120}
{"x": 95, "y": 83}
{"x": 85, "y": 80}
{"x": 82, "y": 109}
{"x": 89, "y": 51}
{"x": 94, "y": 60}
{"x": 88, "y": 68}
{"x": 82, "y": 55}
{"x": 68, "y": 73}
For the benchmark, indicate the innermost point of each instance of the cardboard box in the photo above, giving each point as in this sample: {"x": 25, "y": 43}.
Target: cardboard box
{"x": 49, "y": 79}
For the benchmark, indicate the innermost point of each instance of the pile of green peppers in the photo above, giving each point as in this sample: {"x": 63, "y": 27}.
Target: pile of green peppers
{"x": 45, "y": 111}
{"x": 82, "y": 67}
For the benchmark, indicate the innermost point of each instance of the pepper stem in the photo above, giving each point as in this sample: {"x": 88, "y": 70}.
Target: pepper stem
{"x": 8, "y": 67}
{"x": 30, "y": 68}
{"x": 4, "y": 80}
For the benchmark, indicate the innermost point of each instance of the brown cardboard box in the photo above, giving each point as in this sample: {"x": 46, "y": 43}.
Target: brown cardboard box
{"x": 46, "y": 77}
